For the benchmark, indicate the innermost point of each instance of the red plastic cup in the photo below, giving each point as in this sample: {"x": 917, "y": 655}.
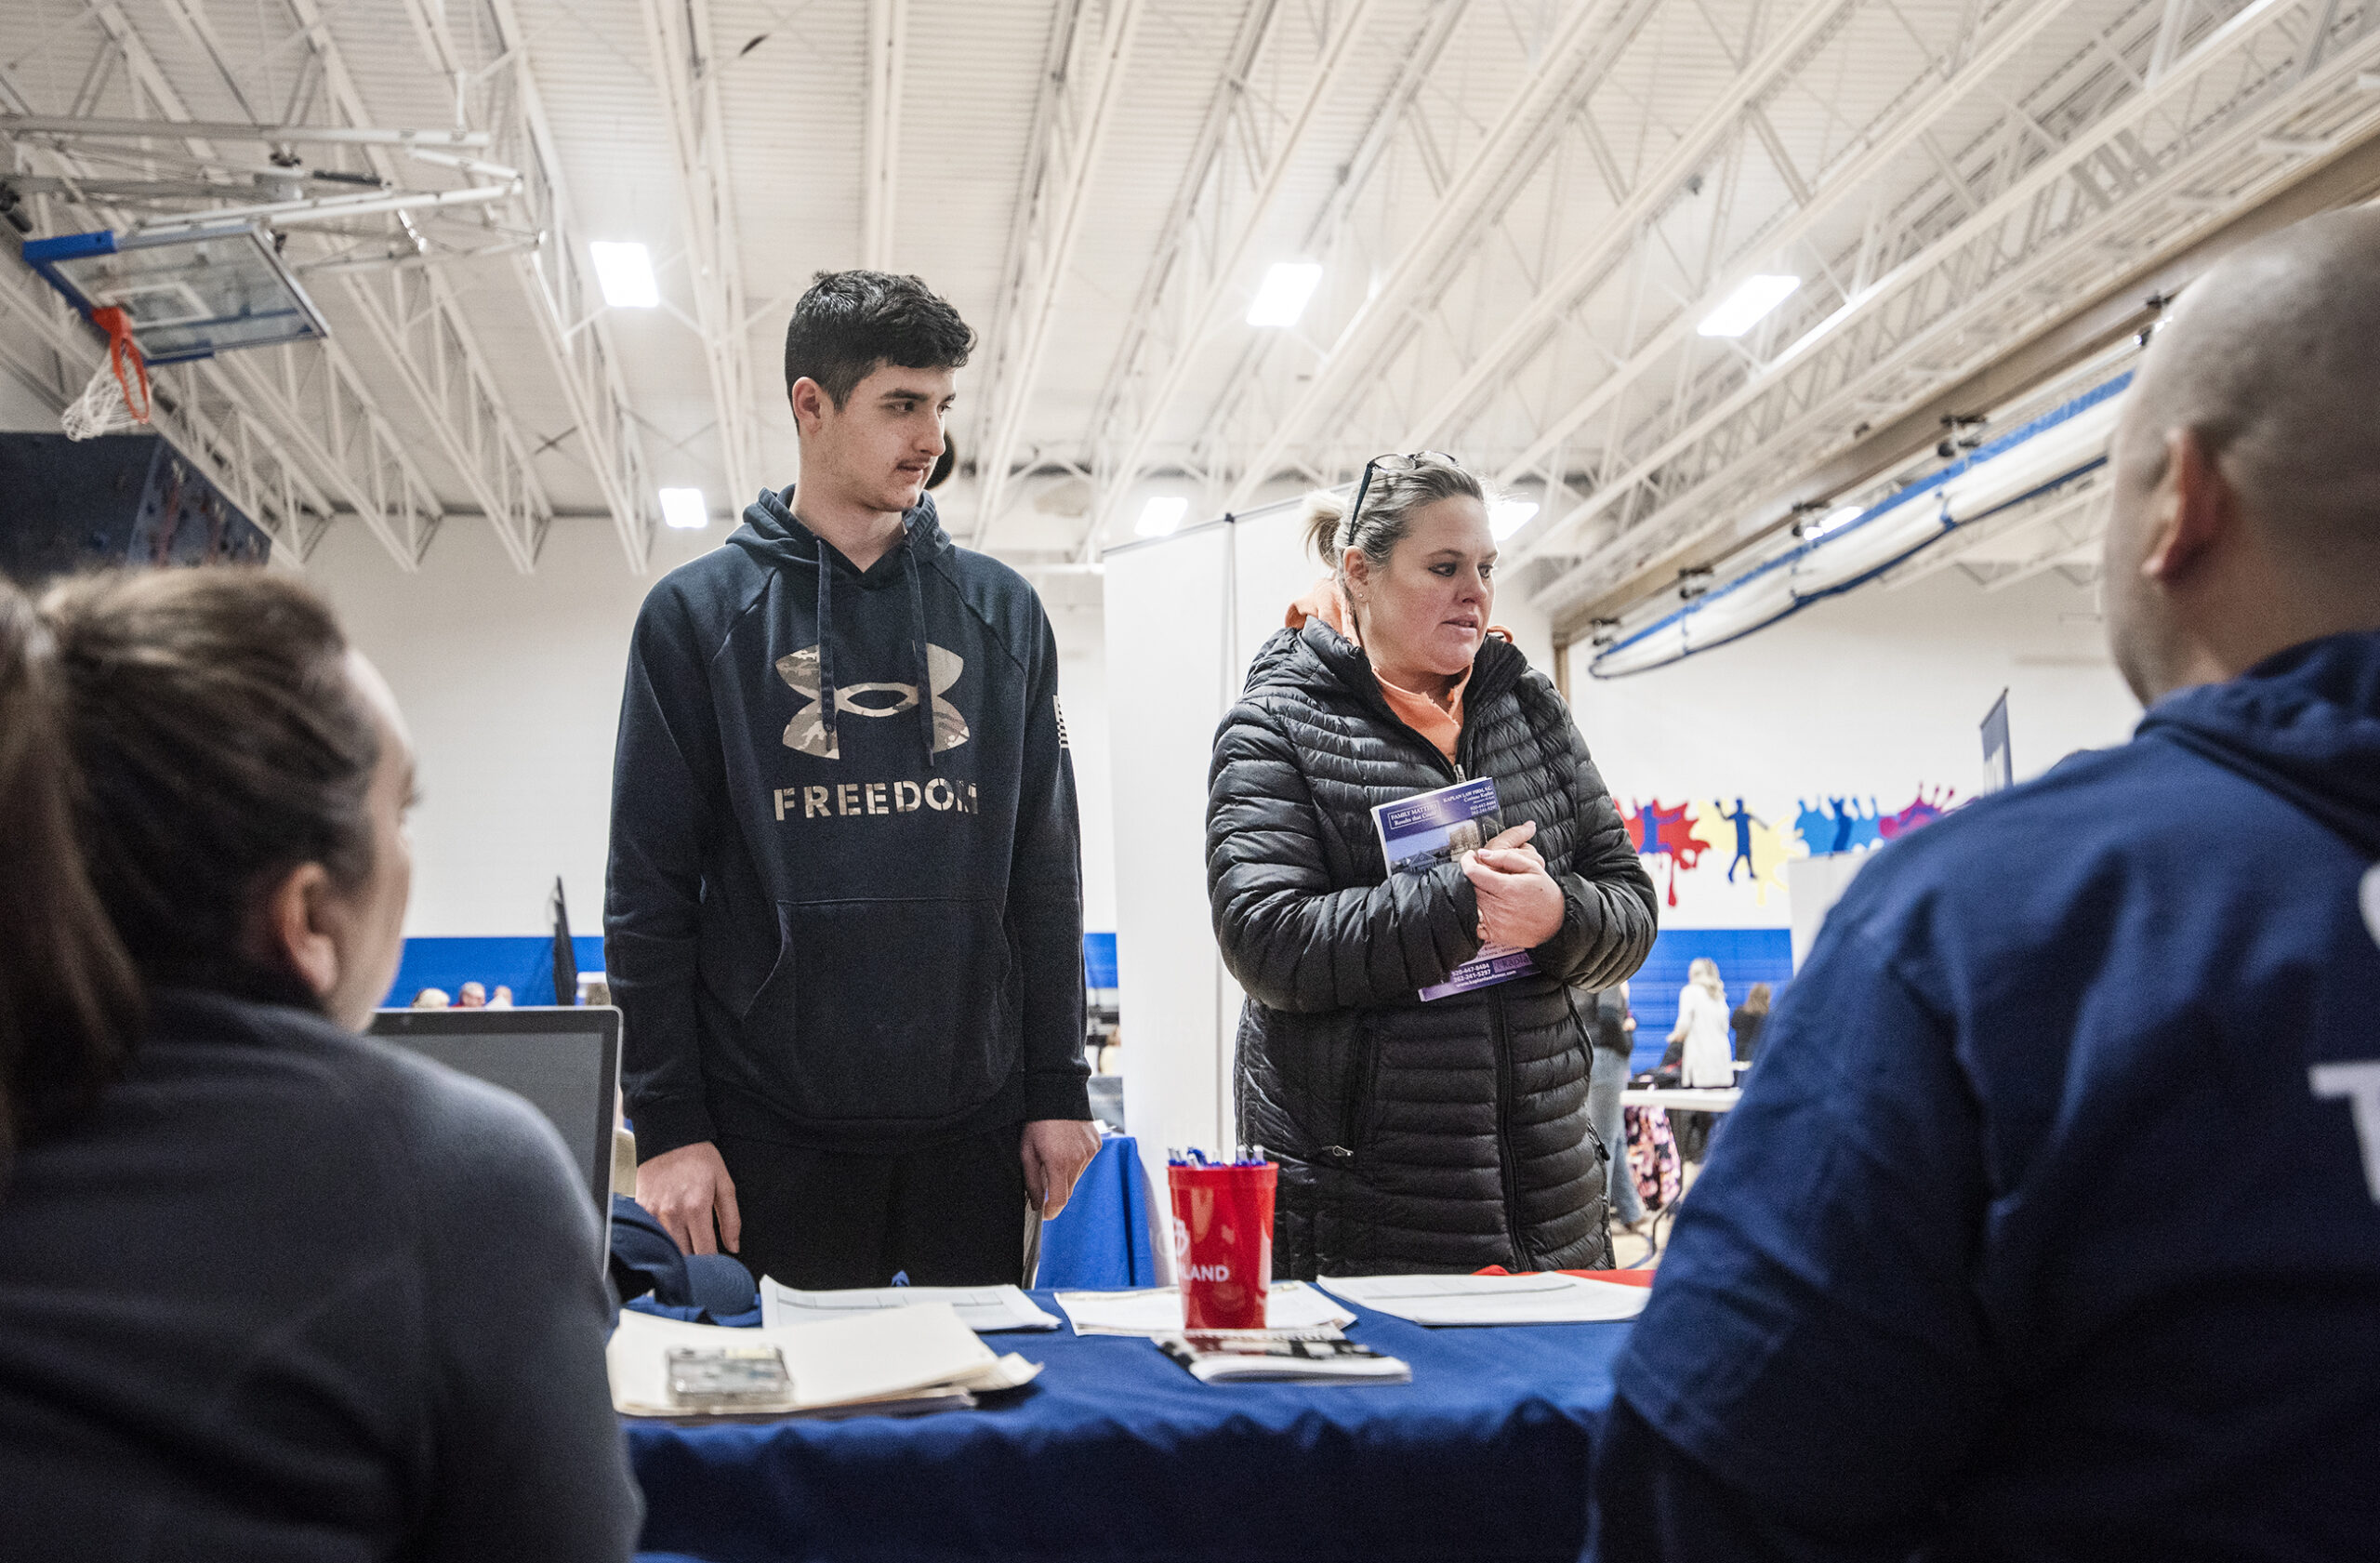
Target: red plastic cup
{"x": 1223, "y": 1243}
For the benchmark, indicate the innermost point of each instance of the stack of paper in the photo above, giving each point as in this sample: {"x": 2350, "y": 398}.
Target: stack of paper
{"x": 980, "y": 1308}
{"x": 1291, "y": 1305}
{"x": 1550, "y": 1298}
{"x": 1281, "y": 1357}
{"x": 909, "y": 1359}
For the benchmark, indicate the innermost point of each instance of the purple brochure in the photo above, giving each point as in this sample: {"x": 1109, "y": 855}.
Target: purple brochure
{"x": 1417, "y": 833}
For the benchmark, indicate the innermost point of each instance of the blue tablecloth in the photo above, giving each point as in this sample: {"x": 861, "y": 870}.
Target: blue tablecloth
{"x": 1115, "y": 1452}
{"x": 1099, "y": 1242}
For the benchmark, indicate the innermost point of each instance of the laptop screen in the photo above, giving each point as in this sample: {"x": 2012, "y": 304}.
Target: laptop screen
{"x": 565, "y": 1060}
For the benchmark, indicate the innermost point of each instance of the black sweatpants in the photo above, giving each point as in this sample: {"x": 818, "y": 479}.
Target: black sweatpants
{"x": 951, "y": 1214}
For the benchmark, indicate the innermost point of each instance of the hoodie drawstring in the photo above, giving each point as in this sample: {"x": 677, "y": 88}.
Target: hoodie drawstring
{"x": 924, "y": 656}
{"x": 826, "y": 650}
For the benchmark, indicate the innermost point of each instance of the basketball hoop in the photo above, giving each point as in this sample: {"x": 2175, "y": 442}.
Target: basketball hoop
{"x": 108, "y": 405}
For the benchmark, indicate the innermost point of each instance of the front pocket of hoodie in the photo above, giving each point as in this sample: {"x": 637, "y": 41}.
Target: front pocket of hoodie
{"x": 886, "y": 1010}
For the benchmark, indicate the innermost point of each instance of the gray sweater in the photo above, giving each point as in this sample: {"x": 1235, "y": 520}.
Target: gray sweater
{"x": 289, "y": 1295}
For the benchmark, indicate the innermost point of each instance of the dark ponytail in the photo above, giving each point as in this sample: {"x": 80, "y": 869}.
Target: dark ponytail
{"x": 172, "y": 742}
{"x": 70, "y": 1001}
{"x": 220, "y": 743}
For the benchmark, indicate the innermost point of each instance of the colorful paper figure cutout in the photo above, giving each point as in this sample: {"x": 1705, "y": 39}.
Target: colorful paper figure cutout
{"x": 1924, "y": 812}
{"x": 1681, "y": 835}
{"x": 1743, "y": 821}
{"x": 1659, "y": 833}
{"x": 1762, "y": 849}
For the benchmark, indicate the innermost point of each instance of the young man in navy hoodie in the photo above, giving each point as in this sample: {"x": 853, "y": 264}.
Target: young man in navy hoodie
{"x": 844, "y": 916}
{"x": 2049, "y": 1226}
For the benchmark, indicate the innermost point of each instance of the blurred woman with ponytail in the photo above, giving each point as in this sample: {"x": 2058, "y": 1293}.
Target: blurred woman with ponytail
{"x": 267, "y": 1288}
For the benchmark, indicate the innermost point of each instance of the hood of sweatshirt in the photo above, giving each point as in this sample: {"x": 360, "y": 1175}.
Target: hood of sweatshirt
{"x": 2305, "y": 724}
{"x": 773, "y": 535}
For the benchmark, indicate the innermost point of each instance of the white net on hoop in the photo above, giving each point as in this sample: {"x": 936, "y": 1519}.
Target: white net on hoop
{"x": 101, "y": 409}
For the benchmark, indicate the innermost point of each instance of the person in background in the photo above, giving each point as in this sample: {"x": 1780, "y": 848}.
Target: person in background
{"x": 843, "y": 922}
{"x": 432, "y": 998}
{"x": 1700, "y": 1033}
{"x": 1613, "y": 1030}
{"x": 472, "y": 996}
{"x": 267, "y": 1289}
{"x": 501, "y": 999}
{"x": 1412, "y": 1135}
{"x": 1749, "y": 1017}
{"x": 1965, "y": 1278}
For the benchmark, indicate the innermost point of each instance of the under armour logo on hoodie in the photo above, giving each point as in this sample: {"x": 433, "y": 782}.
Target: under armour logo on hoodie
{"x": 808, "y": 732}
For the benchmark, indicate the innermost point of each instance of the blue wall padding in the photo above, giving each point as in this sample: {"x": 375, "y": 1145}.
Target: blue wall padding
{"x": 525, "y": 964}
{"x": 1745, "y": 956}
{"x": 1099, "y": 960}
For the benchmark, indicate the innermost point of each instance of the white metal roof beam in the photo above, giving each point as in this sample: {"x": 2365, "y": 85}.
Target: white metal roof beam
{"x": 1516, "y": 133}
{"x": 686, "y": 66}
{"x": 1175, "y": 240}
{"x": 339, "y": 434}
{"x": 1972, "y": 279}
{"x": 485, "y": 449}
{"x": 325, "y": 429}
{"x": 1733, "y": 112}
{"x": 1216, "y": 449}
{"x": 1224, "y": 282}
{"x": 888, "y": 49}
{"x": 564, "y": 299}
{"x": 1016, "y": 257}
{"x": 388, "y": 495}
{"x": 1061, "y": 201}
{"x": 421, "y": 327}
{"x": 1849, "y": 180}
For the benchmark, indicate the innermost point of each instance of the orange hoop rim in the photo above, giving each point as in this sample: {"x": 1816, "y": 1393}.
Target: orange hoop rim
{"x": 123, "y": 350}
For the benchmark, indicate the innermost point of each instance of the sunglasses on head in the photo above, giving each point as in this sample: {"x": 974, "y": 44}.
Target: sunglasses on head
{"x": 1390, "y": 464}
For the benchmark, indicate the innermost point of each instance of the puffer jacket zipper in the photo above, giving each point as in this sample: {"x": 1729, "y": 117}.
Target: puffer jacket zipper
{"x": 1361, "y": 1072}
{"x": 1500, "y": 1040}
{"x": 1508, "y": 1173}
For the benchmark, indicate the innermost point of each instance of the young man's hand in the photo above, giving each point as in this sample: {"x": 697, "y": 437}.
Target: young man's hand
{"x": 1055, "y": 1151}
{"x": 688, "y": 1192}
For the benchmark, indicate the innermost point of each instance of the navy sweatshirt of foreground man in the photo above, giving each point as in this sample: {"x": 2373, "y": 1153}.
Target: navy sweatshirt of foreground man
{"x": 2047, "y": 1227}
{"x": 845, "y": 904}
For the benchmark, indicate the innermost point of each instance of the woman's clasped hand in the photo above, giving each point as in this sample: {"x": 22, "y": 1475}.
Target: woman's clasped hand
{"x": 1519, "y": 904}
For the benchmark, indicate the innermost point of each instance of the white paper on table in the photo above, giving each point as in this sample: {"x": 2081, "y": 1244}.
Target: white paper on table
{"x": 878, "y": 1355}
{"x": 980, "y": 1308}
{"x": 1290, "y": 1305}
{"x": 1549, "y": 1298}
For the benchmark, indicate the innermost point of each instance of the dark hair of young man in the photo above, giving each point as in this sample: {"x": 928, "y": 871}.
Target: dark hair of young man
{"x": 851, "y": 324}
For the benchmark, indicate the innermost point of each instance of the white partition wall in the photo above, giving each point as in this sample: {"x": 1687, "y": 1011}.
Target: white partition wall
{"x": 1184, "y": 614}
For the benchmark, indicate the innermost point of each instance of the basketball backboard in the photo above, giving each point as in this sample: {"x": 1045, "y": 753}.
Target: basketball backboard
{"x": 191, "y": 294}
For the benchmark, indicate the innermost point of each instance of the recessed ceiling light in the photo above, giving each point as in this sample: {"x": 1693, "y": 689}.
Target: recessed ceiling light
{"x": 1508, "y": 516}
{"x": 1282, "y": 298}
{"x": 1743, "y": 309}
{"x": 683, "y": 508}
{"x": 626, "y": 274}
{"x": 1161, "y": 515}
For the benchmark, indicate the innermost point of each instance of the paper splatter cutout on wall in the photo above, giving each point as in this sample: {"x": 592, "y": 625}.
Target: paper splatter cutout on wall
{"x": 1761, "y": 850}
{"x": 1659, "y": 833}
{"x": 1924, "y": 812}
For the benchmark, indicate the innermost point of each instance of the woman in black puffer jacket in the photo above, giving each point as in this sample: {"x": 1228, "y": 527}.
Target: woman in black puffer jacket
{"x": 1441, "y": 1135}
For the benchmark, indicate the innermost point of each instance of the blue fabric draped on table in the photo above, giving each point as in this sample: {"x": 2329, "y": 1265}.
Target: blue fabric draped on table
{"x": 1117, "y": 1453}
{"x": 1099, "y": 1242}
